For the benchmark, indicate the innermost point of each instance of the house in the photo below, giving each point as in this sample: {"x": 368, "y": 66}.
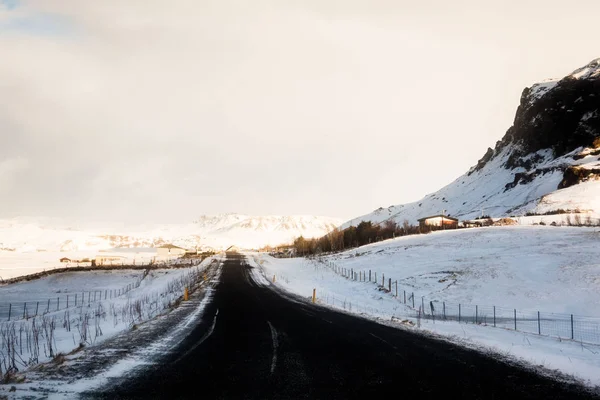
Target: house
{"x": 109, "y": 260}
{"x": 440, "y": 220}
{"x": 65, "y": 260}
{"x": 170, "y": 250}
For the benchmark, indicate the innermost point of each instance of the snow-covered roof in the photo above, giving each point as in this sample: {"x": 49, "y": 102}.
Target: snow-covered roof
{"x": 438, "y": 216}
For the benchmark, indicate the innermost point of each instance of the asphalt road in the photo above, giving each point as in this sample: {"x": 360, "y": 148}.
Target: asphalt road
{"x": 254, "y": 343}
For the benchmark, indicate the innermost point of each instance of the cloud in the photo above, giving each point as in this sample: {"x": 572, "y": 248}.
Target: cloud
{"x": 160, "y": 110}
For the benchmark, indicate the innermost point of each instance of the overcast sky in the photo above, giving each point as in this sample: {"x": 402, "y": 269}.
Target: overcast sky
{"x": 159, "y": 111}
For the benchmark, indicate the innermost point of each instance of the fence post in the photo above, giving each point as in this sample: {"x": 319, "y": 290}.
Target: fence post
{"x": 539, "y": 325}
{"x": 476, "y": 312}
{"x": 37, "y": 305}
{"x": 494, "y": 316}
{"x": 572, "y": 330}
{"x": 383, "y": 280}
{"x": 390, "y": 284}
{"x": 9, "y": 310}
{"x": 67, "y": 301}
{"x": 515, "y": 319}
{"x": 405, "y": 297}
{"x": 423, "y": 304}
{"x": 459, "y": 313}
{"x": 444, "y": 309}
{"x": 57, "y": 303}
{"x": 413, "y": 297}
{"x": 396, "y": 289}
{"x": 75, "y": 299}
{"x": 369, "y": 275}
{"x": 105, "y": 293}
{"x": 24, "y": 309}
{"x": 375, "y": 277}
{"x": 48, "y": 308}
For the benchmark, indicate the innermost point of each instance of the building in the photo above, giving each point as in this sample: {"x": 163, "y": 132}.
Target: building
{"x": 109, "y": 260}
{"x": 440, "y": 220}
{"x": 170, "y": 250}
{"x": 65, "y": 260}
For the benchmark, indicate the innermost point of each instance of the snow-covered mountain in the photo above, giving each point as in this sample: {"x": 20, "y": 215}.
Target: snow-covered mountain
{"x": 208, "y": 232}
{"x": 548, "y": 160}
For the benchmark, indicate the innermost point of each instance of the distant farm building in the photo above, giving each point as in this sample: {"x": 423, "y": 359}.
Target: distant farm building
{"x": 170, "y": 250}
{"x": 440, "y": 220}
{"x": 65, "y": 260}
{"x": 109, "y": 260}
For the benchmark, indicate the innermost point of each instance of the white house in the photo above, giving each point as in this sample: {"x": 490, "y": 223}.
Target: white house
{"x": 170, "y": 250}
{"x": 105, "y": 259}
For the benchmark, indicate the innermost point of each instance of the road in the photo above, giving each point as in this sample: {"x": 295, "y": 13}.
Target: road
{"x": 255, "y": 343}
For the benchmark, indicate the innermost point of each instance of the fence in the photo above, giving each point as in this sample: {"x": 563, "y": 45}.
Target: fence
{"x": 563, "y": 326}
{"x": 24, "y": 310}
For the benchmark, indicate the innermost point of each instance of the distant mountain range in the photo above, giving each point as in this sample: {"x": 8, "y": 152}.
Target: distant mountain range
{"x": 548, "y": 160}
{"x": 207, "y": 232}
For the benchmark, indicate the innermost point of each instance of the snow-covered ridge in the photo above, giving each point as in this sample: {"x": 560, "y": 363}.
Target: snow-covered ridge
{"x": 548, "y": 160}
{"x": 208, "y": 232}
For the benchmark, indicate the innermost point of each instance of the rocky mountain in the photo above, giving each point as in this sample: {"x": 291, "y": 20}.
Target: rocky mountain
{"x": 548, "y": 160}
{"x": 208, "y": 232}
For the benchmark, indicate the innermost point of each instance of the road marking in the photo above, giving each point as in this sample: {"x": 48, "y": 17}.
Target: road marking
{"x": 275, "y": 344}
{"x": 206, "y": 336}
{"x": 384, "y": 341}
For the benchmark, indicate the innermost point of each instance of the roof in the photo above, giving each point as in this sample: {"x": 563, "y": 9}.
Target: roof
{"x": 438, "y": 216}
{"x": 170, "y": 246}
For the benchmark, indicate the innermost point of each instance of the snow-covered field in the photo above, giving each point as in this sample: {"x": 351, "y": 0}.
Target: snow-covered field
{"x": 547, "y": 269}
{"x": 27, "y": 342}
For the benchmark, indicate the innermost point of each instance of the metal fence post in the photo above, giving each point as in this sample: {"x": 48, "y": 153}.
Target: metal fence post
{"x": 476, "y": 312}
{"x": 413, "y": 297}
{"x": 390, "y": 284}
{"x": 24, "y": 309}
{"x": 423, "y": 304}
{"x": 9, "y": 310}
{"x": 572, "y": 329}
{"x": 67, "y": 301}
{"x": 539, "y": 325}
{"x": 494, "y": 316}
{"x": 37, "y": 305}
{"x": 404, "y": 296}
{"x": 369, "y": 275}
{"x": 383, "y": 280}
{"x": 444, "y": 309}
{"x": 75, "y": 299}
{"x": 396, "y": 289}
{"x": 459, "y": 313}
{"x": 48, "y": 308}
{"x": 57, "y": 303}
{"x": 515, "y": 319}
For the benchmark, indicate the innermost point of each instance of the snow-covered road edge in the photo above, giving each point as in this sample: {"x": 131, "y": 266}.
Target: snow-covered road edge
{"x": 96, "y": 366}
{"x": 563, "y": 360}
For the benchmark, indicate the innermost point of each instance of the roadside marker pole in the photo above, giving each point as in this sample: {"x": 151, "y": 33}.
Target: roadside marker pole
{"x": 314, "y": 296}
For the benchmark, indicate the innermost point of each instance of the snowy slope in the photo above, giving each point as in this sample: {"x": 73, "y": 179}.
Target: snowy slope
{"x": 548, "y": 159}
{"x": 546, "y": 269}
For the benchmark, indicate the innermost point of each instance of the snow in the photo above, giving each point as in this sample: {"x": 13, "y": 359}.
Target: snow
{"x": 149, "y": 294}
{"x": 548, "y": 269}
{"x": 485, "y": 192}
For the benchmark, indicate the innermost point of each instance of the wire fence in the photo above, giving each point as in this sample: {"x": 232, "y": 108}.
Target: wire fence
{"x": 563, "y": 326}
{"x": 14, "y": 311}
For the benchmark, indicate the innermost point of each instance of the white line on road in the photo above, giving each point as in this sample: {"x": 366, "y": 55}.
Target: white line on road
{"x": 384, "y": 341}
{"x": 206, "y": 336}
{"x": 275, "y": 344}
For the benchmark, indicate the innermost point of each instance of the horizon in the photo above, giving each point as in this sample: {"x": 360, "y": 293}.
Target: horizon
{"x": 152, "y": 113}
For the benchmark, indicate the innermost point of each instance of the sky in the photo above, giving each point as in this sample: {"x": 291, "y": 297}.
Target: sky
{"x": 159, "y": 111}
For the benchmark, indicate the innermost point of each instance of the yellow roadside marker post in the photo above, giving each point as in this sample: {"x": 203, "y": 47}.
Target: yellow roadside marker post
{"x": 314, "y": 298}
{"x": 186, "y": 294}
{"x": 273, "y": 278}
